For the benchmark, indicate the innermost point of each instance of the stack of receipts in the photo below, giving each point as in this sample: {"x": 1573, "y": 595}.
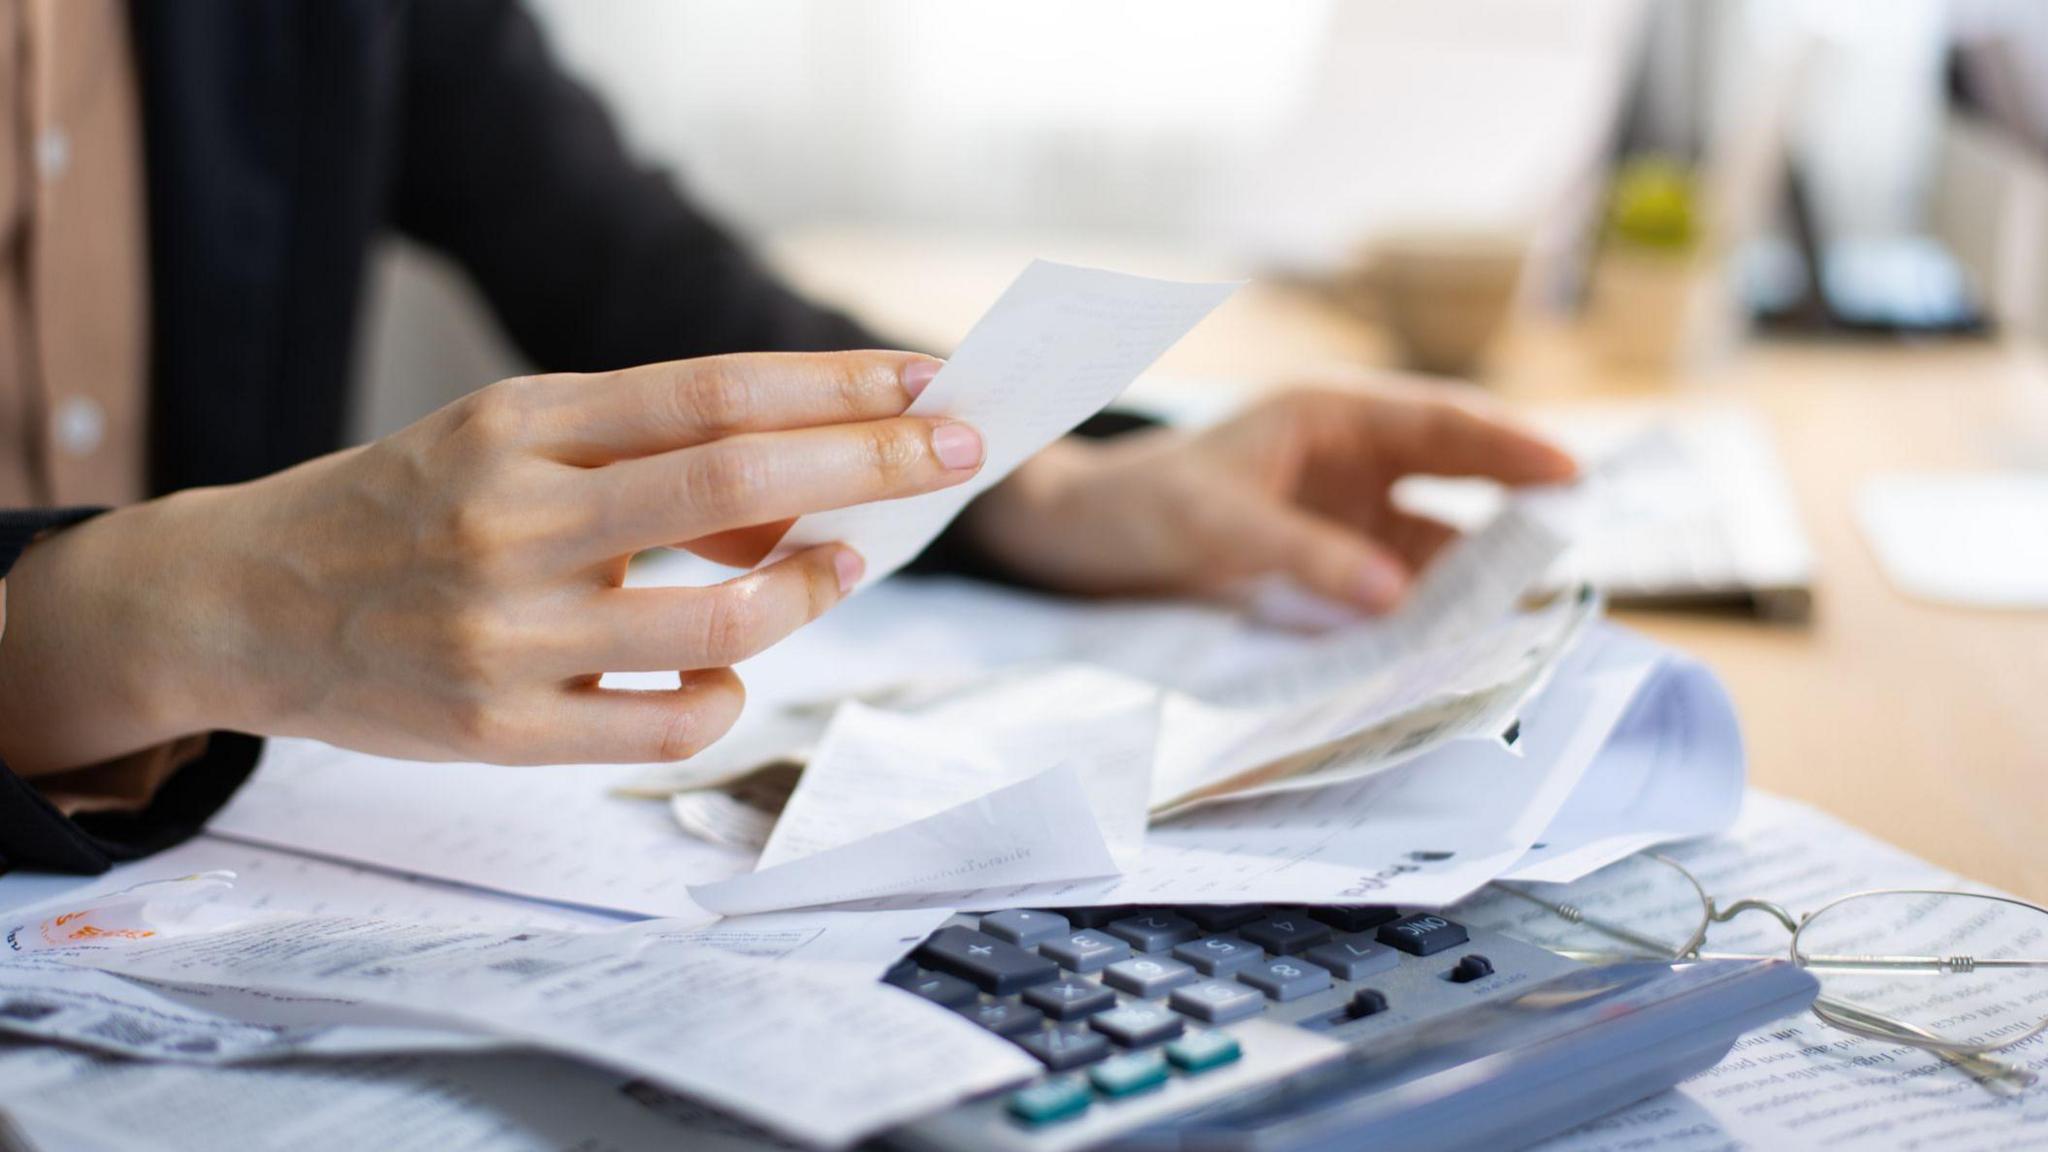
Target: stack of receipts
{"x": 928, "y": 746}
{"x": 1409, "y": 760}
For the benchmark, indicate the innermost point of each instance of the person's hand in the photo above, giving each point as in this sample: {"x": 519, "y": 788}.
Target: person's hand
{"x": 1298, "y": 484}
{"x": 455, "y": 590}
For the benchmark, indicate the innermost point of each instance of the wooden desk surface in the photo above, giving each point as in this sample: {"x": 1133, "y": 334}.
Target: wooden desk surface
{"x": 1925, "y": 725}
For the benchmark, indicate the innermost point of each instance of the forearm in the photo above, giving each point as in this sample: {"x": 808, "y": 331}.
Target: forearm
{"x": 98, "y": 658}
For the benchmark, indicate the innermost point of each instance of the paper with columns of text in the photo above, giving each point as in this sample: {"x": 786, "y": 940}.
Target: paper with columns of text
{"x": 1057, "y": 347}
{"x": 1798, "y": 1083}
{"x": 821, "y": 1054}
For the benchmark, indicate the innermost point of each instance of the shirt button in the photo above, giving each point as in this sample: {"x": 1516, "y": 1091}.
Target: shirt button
{"x": 81, "y": 426}
{"x": 53, "y": 153}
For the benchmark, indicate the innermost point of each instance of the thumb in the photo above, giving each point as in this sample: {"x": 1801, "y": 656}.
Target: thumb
{"x": 1328, "y": 559}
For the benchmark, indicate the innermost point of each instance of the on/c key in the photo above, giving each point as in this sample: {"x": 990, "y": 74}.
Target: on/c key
{"x": 1423, "y": 934}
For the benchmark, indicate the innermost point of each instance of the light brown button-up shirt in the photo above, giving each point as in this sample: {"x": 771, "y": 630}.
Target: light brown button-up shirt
{"x": 73, "y": 310}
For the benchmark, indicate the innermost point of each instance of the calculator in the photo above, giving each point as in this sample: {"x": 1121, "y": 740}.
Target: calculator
{"x": 1262, "y": 1027}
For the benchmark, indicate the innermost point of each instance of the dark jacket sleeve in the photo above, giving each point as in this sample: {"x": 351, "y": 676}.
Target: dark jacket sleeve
{"x": 35, "y": 835}
{"x": 591, "y": 260}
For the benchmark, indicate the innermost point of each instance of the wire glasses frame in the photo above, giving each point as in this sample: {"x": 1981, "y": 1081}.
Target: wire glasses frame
{"x": 1855, "y": 1019}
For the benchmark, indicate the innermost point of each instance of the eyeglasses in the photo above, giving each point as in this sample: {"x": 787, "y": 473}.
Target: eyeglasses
{"x": 1871, "y": 951}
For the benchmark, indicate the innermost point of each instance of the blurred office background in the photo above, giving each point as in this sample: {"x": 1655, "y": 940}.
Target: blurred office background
{"x": 1861, "y": 169}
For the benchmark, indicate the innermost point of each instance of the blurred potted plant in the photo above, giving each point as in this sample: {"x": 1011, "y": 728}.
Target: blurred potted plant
{"x": 1654, "y": 281}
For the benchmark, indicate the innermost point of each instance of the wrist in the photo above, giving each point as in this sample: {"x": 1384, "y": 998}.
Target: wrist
{"x": 89, "y": 670}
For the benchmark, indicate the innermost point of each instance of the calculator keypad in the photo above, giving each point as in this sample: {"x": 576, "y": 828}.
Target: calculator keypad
{"x": 1117, "y": 1002}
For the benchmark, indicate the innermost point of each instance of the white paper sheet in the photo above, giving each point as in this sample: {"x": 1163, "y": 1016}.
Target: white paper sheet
{"x": 1798, "y": 1083}
{"x": 876, "y": 771}
{"x": 1426, "y": 833}
{"x": 819, "y": 1053}
{"x": 718, "y": 817}
{"x": 1420, "y": 700}
{"x": 1978, "y": 539}
{"x": 1057, "y": 347}
{"x": 1473, "y": 585}
{"x": 268, "y": 880}
{"x": 47, "y": 996}
{"x": 48, "y": 999}
{"x": 1038, "y": 829}
{"x": 1673, "y": 769}
{"x": 58, "y": 1100}
{"x": 546, "y": 833}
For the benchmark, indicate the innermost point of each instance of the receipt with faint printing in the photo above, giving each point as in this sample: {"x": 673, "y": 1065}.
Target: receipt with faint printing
{"x": 1060, "y": 344}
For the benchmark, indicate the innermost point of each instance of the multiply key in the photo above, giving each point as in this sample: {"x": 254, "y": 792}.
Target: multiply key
{"x": 995, "y": 967}
{"x": 1422, "y": 934}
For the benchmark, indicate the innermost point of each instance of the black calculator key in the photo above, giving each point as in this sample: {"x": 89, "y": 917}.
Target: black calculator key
{"x": 1136, "y": 1025}
{"x": 1088, "y": 950}
{"x": 1223, "y": 917}
{"x": 1353, "y": 956}
{"x": 1286, "y": 978}
{"x": 939, "y": 988}
{"x": 1285, "y": 933}
{"x": 1094, "y": 917}
{"x": 904, "y": 969}
{"x": 1004, "y": 1017}
{"x": 1154, "y": 931}
{"x": 1148, "y": 976}
{"x": 1367, "y": 1002}
{"x": 1070, "y": 998}
{"x": 1219, "y": 955}
{"x": 1423, "y": 934}
{"x": 993, "y": 966}
{"x": 1470, "y": 968}
{"x": 1217, "y": 1001}
{"x": 1025, "y": 927}
{"x": 1356, "y": 917}
{"x": 1060, "y": 1049}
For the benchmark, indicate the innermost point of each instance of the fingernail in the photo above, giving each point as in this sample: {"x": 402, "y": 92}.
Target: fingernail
{"x": 848, "y": 566}
{"x": 957, "y": 446}
{"x": 1380, "y": 583}
{"x": 918, "y": 373}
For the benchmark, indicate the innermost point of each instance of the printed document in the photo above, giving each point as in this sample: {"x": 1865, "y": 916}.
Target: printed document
{"x": 544, "y": 833}
{"x": 822, "y": 1054}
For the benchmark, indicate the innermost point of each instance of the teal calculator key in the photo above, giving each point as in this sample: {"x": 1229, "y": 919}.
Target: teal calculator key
{"x": 1129, "y": 1074}
{"x": 1201, "y": 1051}
{"x": 1056, "y": 1099}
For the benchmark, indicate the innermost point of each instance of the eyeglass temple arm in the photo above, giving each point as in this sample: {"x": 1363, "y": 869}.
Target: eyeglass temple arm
{"x": 1864, "y": 1022}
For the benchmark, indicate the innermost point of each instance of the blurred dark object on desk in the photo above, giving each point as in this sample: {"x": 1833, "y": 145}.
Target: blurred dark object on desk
{"x": 1909, "y": 285}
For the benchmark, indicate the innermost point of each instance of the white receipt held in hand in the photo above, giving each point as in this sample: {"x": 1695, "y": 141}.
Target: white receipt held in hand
{"x": 1058, "y": 347}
